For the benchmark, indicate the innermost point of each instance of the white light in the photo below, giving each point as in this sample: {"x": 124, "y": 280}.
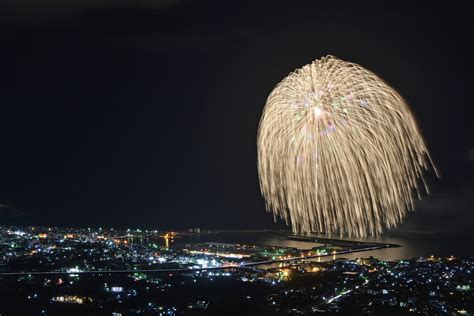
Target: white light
{"x": 116, "y": 289}
{"x": 318, "y": 111}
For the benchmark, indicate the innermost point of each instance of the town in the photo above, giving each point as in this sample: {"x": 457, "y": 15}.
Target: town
{"x": 52, "y": 271}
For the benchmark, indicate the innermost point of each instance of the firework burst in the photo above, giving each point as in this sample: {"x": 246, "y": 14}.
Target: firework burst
{"x": 339, "y": 151}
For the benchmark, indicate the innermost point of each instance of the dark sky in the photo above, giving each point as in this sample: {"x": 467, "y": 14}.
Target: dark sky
{"x": 145, "y": 113}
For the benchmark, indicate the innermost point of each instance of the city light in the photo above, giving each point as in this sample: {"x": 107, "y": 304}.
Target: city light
{"x": 98, "y": 269}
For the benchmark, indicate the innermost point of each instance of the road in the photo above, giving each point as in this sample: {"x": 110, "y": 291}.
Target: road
{"x": 180, "y": 270}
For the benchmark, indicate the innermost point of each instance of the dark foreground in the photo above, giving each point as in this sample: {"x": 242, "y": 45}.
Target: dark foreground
{"x": 51, "y": 272}
{"x": 431, "y": 286}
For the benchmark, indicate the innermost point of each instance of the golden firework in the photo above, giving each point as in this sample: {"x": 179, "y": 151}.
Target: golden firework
{"x": 339, "y": 151}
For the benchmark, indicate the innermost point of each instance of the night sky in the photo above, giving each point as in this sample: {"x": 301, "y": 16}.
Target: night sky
{"x": 145, "y": 113}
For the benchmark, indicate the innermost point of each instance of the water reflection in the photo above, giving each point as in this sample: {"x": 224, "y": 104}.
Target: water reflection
{"x": 413, "y": 244}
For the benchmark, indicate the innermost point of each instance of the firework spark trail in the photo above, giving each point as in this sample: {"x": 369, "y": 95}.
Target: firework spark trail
{"x": 339, "y": 151}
